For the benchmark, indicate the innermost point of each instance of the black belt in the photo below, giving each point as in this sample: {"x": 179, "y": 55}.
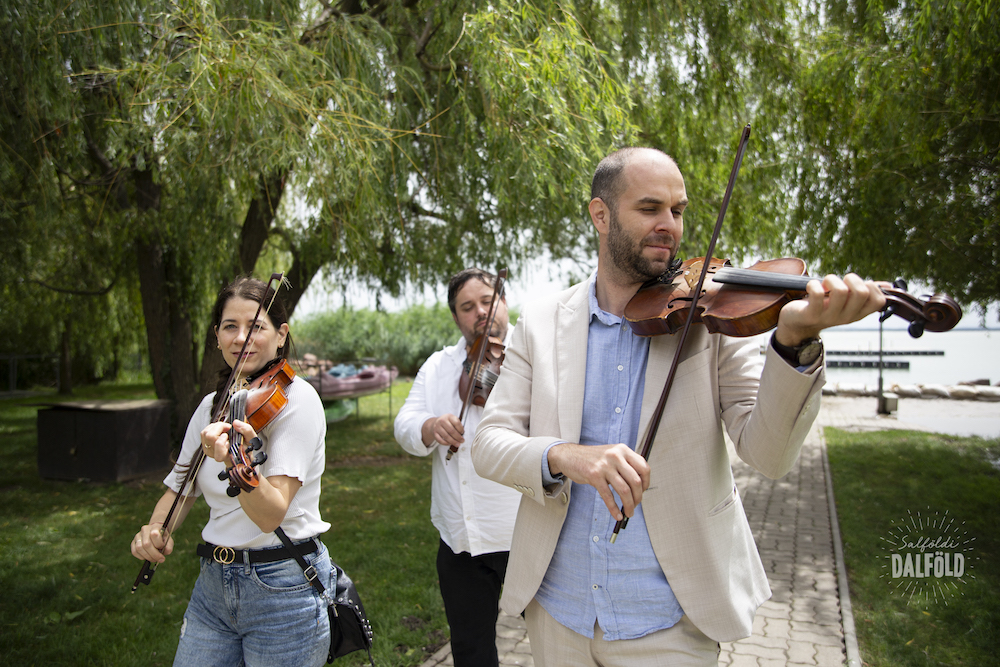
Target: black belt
{"x": 228, "y": 555}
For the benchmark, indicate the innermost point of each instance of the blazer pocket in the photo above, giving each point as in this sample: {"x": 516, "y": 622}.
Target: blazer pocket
{"x": 729, "y": 501}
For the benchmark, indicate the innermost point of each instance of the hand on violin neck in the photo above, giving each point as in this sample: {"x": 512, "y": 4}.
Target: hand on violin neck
{"x": 833, "y": 302}
{"x": 215, "y": 439}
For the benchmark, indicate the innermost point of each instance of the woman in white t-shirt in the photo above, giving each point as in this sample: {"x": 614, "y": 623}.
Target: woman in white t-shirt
{"x": 251, "y": 604}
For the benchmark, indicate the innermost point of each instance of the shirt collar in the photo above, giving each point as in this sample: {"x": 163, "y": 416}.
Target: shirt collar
{"x": 602, "y": 316}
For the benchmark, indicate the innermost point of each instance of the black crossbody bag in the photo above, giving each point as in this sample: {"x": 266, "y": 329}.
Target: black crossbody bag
{"x": 350, "y": 630}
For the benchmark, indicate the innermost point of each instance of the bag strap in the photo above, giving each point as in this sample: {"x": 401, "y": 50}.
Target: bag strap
{"x": 312, "y": 576}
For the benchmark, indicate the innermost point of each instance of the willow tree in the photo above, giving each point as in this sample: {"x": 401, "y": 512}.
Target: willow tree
{"x": 392, "y": 142}
{"x": 899, "y": 174}
{"x": 698, "y": 72}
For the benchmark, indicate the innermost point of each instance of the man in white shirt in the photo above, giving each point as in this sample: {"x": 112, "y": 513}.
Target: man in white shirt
{"x": 474, "y": 516}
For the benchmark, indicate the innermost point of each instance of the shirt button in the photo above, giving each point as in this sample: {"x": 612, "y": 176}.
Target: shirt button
{"x": 596, "y": 587}
{"x": 618, "y": 411}
{"x": 620, "y": 367}
{"x": 596, "y": 538}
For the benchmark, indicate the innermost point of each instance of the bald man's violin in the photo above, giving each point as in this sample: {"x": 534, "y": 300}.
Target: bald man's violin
{"x": 746, "y": 302}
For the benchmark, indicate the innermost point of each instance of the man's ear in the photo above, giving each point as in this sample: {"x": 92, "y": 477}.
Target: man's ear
{"x": 600, "y": 215}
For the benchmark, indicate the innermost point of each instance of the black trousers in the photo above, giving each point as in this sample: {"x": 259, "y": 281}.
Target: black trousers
{"x": 470, "y": 586}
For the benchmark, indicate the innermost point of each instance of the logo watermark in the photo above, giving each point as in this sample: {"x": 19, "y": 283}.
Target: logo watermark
{"x": 928, "y": 558}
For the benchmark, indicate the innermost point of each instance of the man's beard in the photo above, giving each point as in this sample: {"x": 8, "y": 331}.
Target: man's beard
{"x": 627, "y": 256}
{"x": 498, "y": 330}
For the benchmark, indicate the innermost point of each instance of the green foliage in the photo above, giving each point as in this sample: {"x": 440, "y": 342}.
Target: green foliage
{"x": 698, "y": 72}
{"x": 173, "y": 145}
{"x": 404, "y": 339}
{"x": 159, "y": 148}
{"x": 884, "y": 477}
{"x": 66, "y": 569}
{"x": 899, "y": 171}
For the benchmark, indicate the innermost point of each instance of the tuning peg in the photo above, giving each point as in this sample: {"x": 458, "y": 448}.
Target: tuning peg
{"x": 255, "y": 444}
{"x": 233, "y": 491}
{"x": 224, "y": 475}
{"x": 889, "y": 311}
{"x": 899, "y": 283}
{"x": 260, "y": 458}
{"x": 916, "y": 328}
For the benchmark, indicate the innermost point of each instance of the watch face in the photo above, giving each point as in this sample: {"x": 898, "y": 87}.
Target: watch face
{"x": 810, "y": 353}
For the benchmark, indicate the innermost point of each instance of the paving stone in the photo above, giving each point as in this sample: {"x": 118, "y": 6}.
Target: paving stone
{"x": 801, "y": 652}
{"x": 764, "y": 641}
{"x": 743, "y": 648}
{"x": 830, "y": 655}
{"x": 776, "y": 627}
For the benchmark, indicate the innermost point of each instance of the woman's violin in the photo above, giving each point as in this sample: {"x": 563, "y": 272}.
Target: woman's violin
{"x": 257, "y": 405}
{"x": 746, "y": 302}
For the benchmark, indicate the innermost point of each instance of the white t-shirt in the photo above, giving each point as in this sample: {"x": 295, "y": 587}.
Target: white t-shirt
{"x": 295, "y": 444}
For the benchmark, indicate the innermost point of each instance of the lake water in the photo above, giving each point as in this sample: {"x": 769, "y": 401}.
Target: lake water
{"x": 968, "y": 354}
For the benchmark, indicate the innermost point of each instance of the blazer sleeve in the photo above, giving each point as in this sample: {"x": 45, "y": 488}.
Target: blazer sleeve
{"x": 504, "y": 449}
{"x": 768, "y": 420}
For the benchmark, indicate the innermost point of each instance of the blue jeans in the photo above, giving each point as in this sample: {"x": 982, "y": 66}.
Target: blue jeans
{"x": 259, "y": 615}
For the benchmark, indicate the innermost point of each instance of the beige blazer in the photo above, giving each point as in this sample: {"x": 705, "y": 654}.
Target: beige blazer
{"x": 696, "y": 521}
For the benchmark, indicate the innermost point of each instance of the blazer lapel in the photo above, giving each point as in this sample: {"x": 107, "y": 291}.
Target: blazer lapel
{"x": 571, "y": 328}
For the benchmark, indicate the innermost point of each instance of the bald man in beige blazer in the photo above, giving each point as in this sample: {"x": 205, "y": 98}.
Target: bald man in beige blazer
{"x": 693, "y": 513}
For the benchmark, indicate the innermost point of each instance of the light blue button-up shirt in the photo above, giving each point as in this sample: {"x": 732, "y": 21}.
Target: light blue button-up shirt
{"x": 621, "y": 586}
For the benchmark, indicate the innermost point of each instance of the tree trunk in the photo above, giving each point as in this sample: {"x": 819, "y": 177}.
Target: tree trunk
{"x": 299, "y": 276}
{"x": 256, "y": 229}
{"x": 168, "y": 333}
{"x": 260, "y": 216}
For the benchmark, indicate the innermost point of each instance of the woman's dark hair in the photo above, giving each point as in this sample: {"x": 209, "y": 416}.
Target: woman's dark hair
{"x": 250, "y": 289}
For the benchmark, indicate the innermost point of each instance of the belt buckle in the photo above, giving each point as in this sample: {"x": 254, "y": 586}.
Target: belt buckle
{"x": 223, "y": 555}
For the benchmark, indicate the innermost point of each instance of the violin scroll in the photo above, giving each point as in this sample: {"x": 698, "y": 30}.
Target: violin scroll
{"x": 938, "y": 313}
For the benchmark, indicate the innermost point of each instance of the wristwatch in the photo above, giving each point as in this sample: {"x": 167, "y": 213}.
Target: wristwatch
{"x": 804, "y": 354}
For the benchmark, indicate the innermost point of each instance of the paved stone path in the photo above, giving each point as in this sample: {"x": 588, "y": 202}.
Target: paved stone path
{"x": 808, "y": 620}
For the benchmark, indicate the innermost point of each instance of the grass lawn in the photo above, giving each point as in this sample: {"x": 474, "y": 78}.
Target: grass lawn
{"x": 894, "y": 488}
{"x": 66, "y": 571}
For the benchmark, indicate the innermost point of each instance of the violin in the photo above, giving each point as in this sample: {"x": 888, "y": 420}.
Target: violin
{"x": 257, "y": 405}
{"x": 489, "y": 370}
{"x": 746, "y": 302}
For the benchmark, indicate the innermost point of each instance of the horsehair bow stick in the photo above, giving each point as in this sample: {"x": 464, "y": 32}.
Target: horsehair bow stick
{"x": 654, "y": 423}
{"x": 194, "y": 466}
{"x": 498, "y": 288}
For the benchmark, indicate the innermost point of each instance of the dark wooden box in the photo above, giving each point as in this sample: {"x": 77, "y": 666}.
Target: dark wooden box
{"x": 103, "y": 441}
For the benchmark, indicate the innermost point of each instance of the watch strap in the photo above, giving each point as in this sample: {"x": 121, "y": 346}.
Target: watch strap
{"x": 792, "y": 354}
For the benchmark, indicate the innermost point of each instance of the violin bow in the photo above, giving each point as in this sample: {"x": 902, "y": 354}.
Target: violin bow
{"x": 654, "y": 423}
{"x": 498, "y": 288}
{"x": 194, "y": 467}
